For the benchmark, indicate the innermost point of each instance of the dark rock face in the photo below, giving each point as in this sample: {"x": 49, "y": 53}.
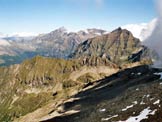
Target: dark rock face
{"x": 96, "y": 61}
{"x": 117, "y": 98}
{"x": 118, "y": 47}
{"x": 137, "y": 56}
{"x": 143, "y": 53}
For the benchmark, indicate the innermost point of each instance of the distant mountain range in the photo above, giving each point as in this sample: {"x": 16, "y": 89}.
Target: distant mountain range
{"x": 59, "y": 43}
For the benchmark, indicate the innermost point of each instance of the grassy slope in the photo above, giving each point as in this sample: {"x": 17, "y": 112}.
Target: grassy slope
{"x": 34, "y": 83}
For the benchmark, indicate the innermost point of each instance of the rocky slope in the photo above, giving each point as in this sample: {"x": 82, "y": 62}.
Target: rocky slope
{"x": 119, "y": 47}
{"x": 132, "y": 95}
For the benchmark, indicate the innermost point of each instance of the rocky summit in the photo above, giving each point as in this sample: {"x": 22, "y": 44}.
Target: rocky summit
{"x": 119, "y": 47}
{"x": 105, "y": 78}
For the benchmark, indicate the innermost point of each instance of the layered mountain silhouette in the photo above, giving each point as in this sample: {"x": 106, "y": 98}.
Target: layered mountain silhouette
{"x": 58, "y": 43}
{"x": 95, "y": 76}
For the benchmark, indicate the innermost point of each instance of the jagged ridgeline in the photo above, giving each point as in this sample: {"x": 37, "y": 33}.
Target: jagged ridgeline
{"x": 119, "y": 47}
{"x": 60, "y": 44}
{"x": 46, "y": 81}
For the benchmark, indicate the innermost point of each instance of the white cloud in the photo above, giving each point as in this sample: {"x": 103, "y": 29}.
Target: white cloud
{"x": 135, "y": 28}
{"x": 155, "y": 39}
{"x": 159, "y": 7}
{"x": 23, "y": 34}
{"x": 147, "y": 32}
{"x": 142, "y": 30}
{"x": 2, "y": 35}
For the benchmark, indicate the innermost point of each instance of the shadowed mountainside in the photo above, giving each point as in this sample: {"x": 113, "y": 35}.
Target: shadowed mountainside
{"x": 34, "y": 83}
{"x": 116, "y": 98}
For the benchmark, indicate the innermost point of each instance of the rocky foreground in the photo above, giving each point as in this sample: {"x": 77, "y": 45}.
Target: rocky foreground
{"x": 131, "y": 95}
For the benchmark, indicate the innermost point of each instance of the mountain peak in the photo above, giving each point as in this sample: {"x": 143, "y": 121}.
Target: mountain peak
{"x": 60, "y": 30}
{"x": 118, "y": 29}
{"x": 116, "y": 46}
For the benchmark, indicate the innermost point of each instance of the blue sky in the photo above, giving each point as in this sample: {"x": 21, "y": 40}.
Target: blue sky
{"x": 40, "y": 16}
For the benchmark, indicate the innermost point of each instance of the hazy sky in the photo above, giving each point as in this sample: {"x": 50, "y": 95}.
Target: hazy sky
{"x": 40, "y": 16}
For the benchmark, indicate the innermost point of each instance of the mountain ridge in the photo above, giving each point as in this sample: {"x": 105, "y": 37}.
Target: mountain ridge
{"x": 58, "y": 43}
{"x": 42, "y": 82}
{"x": 117, "y": 46}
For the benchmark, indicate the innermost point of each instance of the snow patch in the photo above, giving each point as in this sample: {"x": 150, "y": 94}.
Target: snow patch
{"x": 148, "y": 96}
{"x": 102, "y": 110}
{"x": 137, "y": 89}
{"x": 156, "y": 102}
{"x": 135, "y": 102}
{"x": 106, "y": 119}
{"x": 131, "y": 106}
{"x": 142, "y": 103}
{"x": 159, "y": 74}
{"x": 143, "y": 115}
{"x": 128, "y": 107}
{"x": 152, "y": 99}
{"x": 139, "y": 73}
{"x": 98, "y": 34}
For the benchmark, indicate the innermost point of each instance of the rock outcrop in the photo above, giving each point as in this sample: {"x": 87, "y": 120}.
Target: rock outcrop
{"x": 118, "y": 47}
